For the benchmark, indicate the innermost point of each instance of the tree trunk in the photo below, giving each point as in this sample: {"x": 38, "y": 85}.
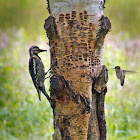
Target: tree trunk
{"x": 76, "y": 30}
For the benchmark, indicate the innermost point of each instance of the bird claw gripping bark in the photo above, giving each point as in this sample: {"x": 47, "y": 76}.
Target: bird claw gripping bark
{"x": 50, "y": 69}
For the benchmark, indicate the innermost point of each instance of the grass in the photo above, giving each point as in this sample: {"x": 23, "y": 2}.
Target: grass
{"x": 122, "y": 103}
{"x": 124, "y": 16}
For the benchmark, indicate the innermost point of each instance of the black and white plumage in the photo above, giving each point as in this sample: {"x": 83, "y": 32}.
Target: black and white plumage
{"x": 121, "y": 74}
{"x": 37, "y": 70}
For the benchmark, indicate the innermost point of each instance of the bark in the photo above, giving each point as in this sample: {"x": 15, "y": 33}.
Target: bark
{"x": 76, "y": 30}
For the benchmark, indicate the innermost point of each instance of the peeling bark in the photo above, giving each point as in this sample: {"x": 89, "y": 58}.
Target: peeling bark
{"x": 76, "y": 30}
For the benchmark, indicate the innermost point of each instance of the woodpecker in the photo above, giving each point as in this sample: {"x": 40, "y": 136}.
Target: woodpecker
{"x": 37, "y": 71}
{"x": 121, "y": 74}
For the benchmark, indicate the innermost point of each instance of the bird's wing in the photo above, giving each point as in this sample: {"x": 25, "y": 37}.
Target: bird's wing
{"x": 129, "y": 71}
{"x": 33, "y": 72}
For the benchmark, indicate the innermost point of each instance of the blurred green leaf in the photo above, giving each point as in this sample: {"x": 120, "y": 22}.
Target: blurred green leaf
{"x": 124, "y": 16}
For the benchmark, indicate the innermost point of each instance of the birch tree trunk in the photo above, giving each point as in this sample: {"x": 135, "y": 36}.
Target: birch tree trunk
{"x": 76, "y": 30}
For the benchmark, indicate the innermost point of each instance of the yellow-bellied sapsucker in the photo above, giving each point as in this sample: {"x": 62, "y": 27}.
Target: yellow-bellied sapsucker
{"x": 37, "y": 71}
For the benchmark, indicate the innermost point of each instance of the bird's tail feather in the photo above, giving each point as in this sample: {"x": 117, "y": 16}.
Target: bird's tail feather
{"x": 46, "y": 95}
{"x": 122, "y": 82}
{"x": 38, "y": 91}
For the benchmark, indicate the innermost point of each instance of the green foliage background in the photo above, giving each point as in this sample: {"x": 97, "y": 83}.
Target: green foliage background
{"x": 22, "y": 115}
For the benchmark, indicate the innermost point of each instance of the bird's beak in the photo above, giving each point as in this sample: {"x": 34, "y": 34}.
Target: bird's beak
{"x": 42, "y": 50}
{"x": 112, "y": 68}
